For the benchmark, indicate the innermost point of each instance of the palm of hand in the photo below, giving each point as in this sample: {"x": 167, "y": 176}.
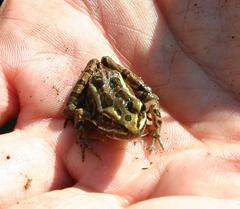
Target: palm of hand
{"x": 179, "y": 60}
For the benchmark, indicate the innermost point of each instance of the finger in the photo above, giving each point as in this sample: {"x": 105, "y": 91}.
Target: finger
{"x": 213, "y": 172}
{"x": 187, "y": 202}
{"x": 72, "y": 198}
{"x": 44, "y": 60}
{"x": 200, "y": 37}
{"x": 9, "y": 103}
{"x": 212, "y": 112}
{"x": 30, "y": 162}
{"x": 203, "y": 107}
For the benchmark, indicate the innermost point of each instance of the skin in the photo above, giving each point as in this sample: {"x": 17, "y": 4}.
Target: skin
{"x": 186, "y": 51}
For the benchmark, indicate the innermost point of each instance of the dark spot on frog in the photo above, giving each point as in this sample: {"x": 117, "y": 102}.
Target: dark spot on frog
{"x": 119, "y": 112}
{"x": 106, "y": 100}
{"x": 145, "y": 168}
{"x": 8, "y": 157}
{"x": 117, "y": 95}
{"x": 141, "y": 88}
{"x": 97, "y": 81}
{"x": 131, "y": 107}
{"x": 81, "y": 82}
{"x": 114, "y": 82}
{"x": 122, "y": 94}
{"x": 128, "y": 118}
{"x": 143, "y": 96}
{"x": 143, "y": 108}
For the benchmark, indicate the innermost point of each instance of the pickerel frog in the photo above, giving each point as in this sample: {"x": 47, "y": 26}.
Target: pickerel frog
{"x": 115, "y": 101}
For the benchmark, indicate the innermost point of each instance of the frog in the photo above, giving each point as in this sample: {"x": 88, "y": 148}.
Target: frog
{"x": 116, "y": 102}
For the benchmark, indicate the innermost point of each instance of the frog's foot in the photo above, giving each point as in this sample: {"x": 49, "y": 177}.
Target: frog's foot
{"x": 84, "y": 144}
{"x": 156, "y": 139}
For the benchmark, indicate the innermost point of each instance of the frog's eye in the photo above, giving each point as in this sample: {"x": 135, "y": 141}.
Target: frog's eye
{"x": 130, "y": 107}
{"x": 97, "y": 81}
{"x": 114, "y": 82}
{"x": 122, "y": 94}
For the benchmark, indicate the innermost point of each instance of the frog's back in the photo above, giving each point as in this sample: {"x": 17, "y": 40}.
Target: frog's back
{"x": 115, "y": 101}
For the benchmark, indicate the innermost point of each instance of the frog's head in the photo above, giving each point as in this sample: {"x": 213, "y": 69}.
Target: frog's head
{"x": 117, "y": 101}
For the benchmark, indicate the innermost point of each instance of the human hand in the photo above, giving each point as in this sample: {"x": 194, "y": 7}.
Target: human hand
{"x": 185, "y": 51}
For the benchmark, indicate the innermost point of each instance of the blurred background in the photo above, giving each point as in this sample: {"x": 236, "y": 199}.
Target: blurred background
{"x": 1, "y": 1}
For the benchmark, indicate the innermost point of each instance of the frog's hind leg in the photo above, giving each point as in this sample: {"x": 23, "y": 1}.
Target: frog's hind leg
{"x": 157, "y": 122}
{"x": 144, "y": 93}
{"x": 75, "y": 98}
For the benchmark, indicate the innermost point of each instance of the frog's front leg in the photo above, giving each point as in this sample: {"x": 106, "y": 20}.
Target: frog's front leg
{"x": 76, "y": 98}
{"x": 82, "y": 139}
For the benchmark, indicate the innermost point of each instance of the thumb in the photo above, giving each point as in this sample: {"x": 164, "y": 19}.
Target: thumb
{"x": 8, "y": 98}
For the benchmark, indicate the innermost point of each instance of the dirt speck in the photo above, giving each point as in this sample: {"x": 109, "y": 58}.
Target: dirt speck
{"x": 56, "y": 89}
{"x": 208, "y": 153}
{"x": 27, "y": 184}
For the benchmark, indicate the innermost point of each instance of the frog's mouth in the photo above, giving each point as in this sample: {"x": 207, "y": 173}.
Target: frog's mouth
{"x": 115, "y": 130}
